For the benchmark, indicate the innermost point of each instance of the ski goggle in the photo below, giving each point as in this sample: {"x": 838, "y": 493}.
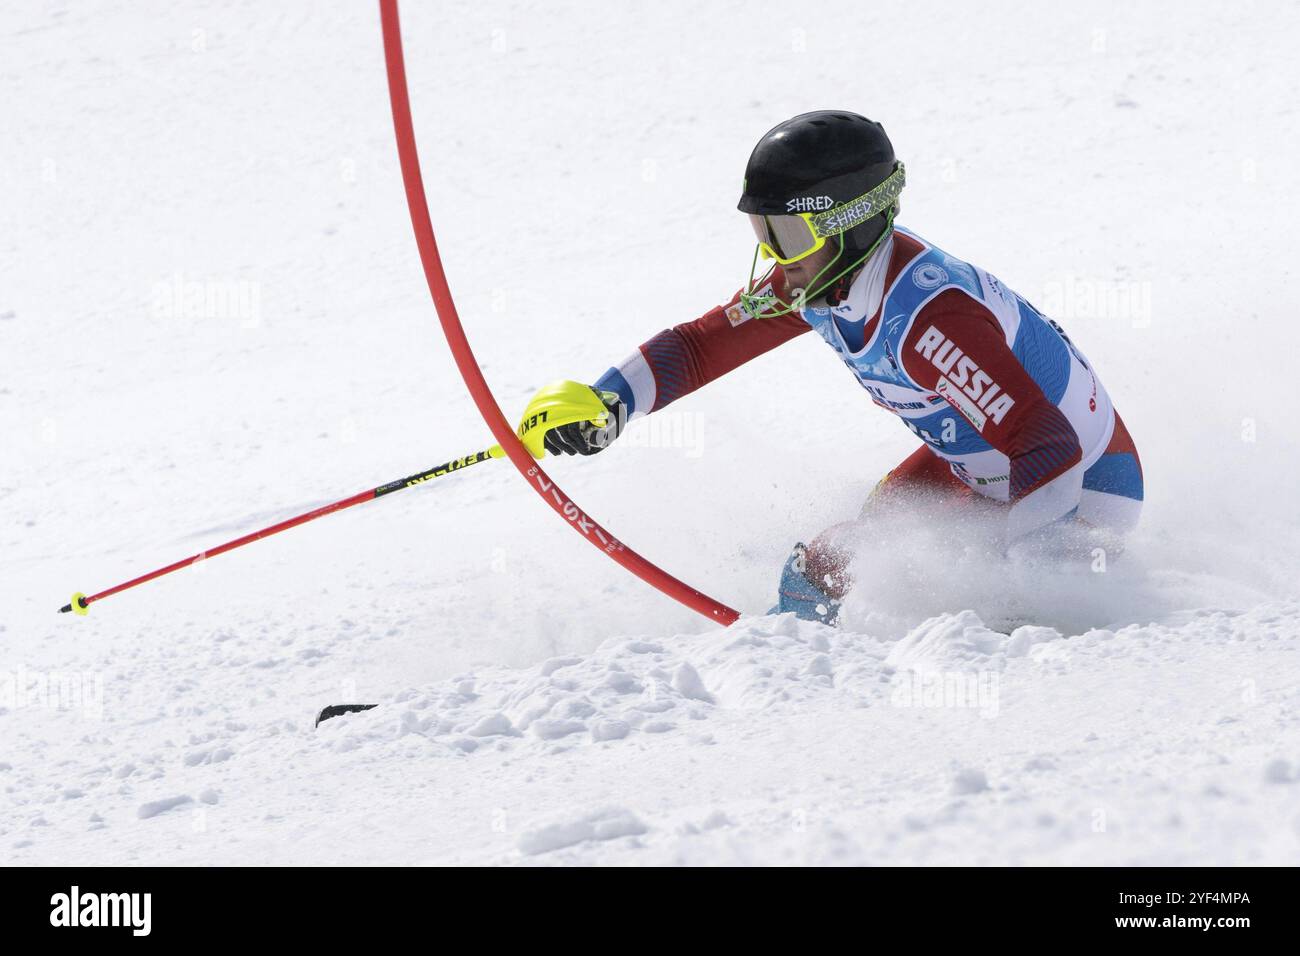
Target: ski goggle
{"x": 789, "y": 238}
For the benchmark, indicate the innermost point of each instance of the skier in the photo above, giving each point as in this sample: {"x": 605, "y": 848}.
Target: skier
{"x": 1007, "y": 408}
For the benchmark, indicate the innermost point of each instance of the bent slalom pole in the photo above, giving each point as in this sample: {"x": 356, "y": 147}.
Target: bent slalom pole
{"x": 436, "y": 278}
{"x": 560, "y": 403}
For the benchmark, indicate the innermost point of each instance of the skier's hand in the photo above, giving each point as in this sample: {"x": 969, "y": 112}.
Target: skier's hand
{"x": 584, "y": 438}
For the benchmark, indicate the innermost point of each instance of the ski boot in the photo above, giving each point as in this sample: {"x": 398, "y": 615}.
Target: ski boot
{"x": 798, "y": 594}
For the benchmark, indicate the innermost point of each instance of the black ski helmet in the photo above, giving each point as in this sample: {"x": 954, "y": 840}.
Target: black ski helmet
{"x": 816, "y": 161}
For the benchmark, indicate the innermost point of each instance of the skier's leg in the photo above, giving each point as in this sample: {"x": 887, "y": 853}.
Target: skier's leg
{"x": 921, "y": 475}
{"x": 1109, "y": 504}
{"x": 815, "y": 577}
{"x": 1111, "y": 500}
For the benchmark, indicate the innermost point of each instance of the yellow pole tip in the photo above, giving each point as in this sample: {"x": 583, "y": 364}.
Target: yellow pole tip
{"x": 78, "y": 604}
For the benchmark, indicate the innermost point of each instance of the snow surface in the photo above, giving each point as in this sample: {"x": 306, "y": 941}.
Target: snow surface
{"x": 1128, "y": 167}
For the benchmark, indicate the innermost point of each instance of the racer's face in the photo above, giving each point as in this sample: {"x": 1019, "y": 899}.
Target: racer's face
{"x": 799, "y": 274}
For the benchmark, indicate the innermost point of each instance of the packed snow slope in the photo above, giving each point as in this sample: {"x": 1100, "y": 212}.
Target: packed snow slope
{"x": 212, "y": 315}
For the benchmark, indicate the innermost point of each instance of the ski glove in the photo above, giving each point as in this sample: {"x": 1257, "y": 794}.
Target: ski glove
{"x": 584, "y": 438}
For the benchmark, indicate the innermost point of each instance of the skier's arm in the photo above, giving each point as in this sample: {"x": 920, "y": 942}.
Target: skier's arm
{"x": 987, "y": 385}
{"x": 679, "y": 360}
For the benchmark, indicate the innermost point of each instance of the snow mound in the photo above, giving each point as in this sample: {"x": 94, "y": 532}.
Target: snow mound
{"x": 625, "y": 688}
{"x": 960, "y": 641}
{"x": 606, "y": 824}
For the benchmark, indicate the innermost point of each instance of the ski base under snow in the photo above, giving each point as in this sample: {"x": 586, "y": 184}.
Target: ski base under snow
{"x": 338, "y": 710}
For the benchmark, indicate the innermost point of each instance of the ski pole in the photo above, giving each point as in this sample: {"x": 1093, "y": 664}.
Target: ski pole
{"x": 560, "y": 403}
{"x": 81, "y": 602}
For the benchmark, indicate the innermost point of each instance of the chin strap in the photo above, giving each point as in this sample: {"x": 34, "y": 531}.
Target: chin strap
{"x": 834, "y": 290}
{"x": 839, "y": 289}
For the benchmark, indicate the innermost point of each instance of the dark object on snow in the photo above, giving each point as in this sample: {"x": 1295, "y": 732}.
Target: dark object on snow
{"x": 338, "y": 710}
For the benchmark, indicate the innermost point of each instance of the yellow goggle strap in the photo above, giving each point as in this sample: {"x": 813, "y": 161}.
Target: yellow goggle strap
{"x": 836, "y": 221}
{"x": 843, "y": 218}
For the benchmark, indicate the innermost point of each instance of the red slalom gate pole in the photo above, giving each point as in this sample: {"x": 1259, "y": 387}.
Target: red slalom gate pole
{"x": 434, "y": 274}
